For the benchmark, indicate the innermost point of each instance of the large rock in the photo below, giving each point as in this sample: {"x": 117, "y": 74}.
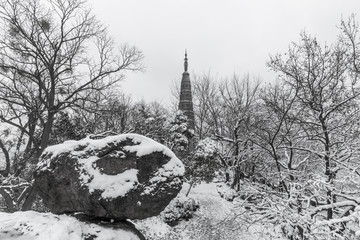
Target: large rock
{"x": 119, "y": 177}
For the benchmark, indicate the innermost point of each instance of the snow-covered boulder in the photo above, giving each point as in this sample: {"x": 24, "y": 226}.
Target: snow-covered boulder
{"x": 32, "y": 225}
{"x": 119, "y": 177}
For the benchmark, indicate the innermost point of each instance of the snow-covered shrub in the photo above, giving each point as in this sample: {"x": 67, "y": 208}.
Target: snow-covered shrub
{"x": 226, "y": 192}
{"x": 204, "y": 164}
{"x": 181, "y": 207}
{"x": 180, "y": 133}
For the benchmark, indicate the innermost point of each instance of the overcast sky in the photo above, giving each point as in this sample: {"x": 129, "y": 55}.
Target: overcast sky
{"x": 221, "y": 36}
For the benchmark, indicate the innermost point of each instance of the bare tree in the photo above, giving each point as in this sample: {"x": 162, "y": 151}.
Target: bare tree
{"x": 53, "y": 55}
{"x": 308, "y": 128}
{"x": 273, "y": 128}
{"x": 238, "y": 99}
{"x": 326, "y": 90}
{"x": 104, "y": 111}
{"x": 208, "y": 111}
{"x": 222, "y": 111}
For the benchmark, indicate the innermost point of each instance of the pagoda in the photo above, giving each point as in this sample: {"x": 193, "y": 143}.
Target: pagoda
{"x": 186, "y": 104}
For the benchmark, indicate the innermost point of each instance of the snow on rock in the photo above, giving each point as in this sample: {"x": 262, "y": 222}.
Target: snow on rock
{"x": 47, "y": 226}
{"x": 123, "y": 176}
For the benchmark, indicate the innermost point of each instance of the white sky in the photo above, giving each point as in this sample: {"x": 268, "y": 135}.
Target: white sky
{"x": 221, "y": 36}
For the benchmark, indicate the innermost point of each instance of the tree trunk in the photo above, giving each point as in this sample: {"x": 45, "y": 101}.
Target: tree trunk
{"x": 282, "y": 184}
{"x": 328, "y": 171}
{"x": 5, "y": 172}
{"x": 190, "y": 187}
{"x": 32, "y": 127}
{"x": 227, "y": 176}
{"x": 236, "y": 181}
{"x": 30, "y": 194}
{"x": 46, "y": 132}
{"x": 8, "y": 200}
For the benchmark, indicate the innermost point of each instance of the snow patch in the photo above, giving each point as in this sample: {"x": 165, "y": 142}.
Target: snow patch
{"x": 153, "y": 227}
{"x": 112, "y": 185}
{"x": 32, "y": 225}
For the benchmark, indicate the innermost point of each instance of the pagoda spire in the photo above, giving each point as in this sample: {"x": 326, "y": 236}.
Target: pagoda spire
{"x": 186, "y": 62}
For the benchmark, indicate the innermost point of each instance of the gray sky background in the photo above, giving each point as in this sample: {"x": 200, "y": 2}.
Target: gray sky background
{"x": 221, "y": 36}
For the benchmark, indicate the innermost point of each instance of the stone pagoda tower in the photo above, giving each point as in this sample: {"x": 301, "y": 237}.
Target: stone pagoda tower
{"x": 186, "y": 104}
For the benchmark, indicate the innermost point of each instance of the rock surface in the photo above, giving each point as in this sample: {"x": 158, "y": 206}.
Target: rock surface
{"x": 118, "y": 177}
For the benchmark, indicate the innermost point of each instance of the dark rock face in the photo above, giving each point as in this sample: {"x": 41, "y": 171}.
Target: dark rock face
{"x": 119, "y": 177}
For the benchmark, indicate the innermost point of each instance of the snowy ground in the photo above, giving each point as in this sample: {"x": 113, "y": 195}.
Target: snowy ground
{"x": 46, "y": 226}
{"x": 216, "y": 219}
